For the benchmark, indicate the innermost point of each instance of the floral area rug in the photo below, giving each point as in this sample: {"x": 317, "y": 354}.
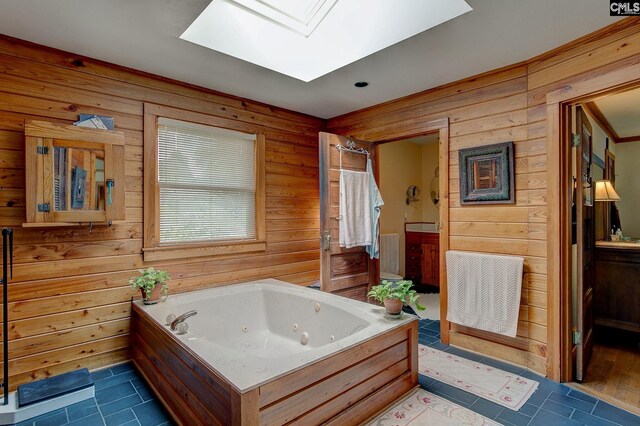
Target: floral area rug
{"x": 424, "y": 408}
{"x": 493, "y": 384}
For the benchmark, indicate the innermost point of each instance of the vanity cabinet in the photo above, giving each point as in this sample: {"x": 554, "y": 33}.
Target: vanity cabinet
{"x": 616, "y": 299}
{"x": 422, "y": 257}
{"x": 73, "y": 175}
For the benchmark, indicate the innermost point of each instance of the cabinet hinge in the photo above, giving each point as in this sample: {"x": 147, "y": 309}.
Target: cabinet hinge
{"x": 575, "y": 140}
{"x": 577, "y": 338}
{"x": 42, "y": 149}
{"x": 45, "y": 207}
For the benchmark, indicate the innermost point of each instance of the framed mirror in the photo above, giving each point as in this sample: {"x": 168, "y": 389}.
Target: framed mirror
{"x": 487, "y": 174}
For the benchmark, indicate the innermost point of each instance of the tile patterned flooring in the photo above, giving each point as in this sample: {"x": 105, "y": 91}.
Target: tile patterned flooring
{"x": 551, "y": 404}
{"x": 123, "y": 399}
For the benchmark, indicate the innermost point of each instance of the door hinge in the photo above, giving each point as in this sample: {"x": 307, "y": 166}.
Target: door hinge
{"x": 40, "y": 149}
{"x": 45, "y": 207}
{"x": 576, "y": 139}
{"x": 577, "y": 338}
{"x": 325, "y": 240}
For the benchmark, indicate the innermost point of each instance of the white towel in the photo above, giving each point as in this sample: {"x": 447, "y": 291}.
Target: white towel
{"x": 355, "y": 209}
{"x": 483, "y": 291}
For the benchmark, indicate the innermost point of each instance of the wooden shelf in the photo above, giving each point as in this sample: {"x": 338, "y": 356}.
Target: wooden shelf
{"x": 62, "y": 224}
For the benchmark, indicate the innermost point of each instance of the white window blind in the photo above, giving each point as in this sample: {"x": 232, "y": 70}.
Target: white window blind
{"x": 207, "y": 183}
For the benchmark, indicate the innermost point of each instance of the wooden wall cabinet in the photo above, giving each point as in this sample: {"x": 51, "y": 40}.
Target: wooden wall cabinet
{"x": 422, "y": 258}
{"x": 73, "y": 175}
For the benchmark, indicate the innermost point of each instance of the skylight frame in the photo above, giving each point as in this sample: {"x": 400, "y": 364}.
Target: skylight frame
{"x": 352, "y": 30}
{"x": 305, "y": 27}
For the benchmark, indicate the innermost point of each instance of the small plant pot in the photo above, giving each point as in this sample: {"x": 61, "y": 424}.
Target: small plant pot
{"x": 393, "y": 306}
{"x": 154, "y": 297}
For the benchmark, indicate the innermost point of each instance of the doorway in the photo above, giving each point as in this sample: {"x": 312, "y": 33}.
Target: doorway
{"x": 410, "y": 218}
{"x": 604, "y": 256}
{"x": 348, "y": 271}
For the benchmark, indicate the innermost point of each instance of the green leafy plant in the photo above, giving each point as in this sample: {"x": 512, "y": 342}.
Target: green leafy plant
{"x": 148, "y": 279}
{"x": 401, "y": 290}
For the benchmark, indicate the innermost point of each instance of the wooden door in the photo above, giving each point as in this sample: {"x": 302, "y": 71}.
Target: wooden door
{"x": 585, "y": 239}
{"x": 347, "y": 272}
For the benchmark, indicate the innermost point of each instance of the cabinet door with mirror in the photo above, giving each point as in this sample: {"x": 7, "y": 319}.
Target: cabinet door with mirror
{"x": 73, "y": 174}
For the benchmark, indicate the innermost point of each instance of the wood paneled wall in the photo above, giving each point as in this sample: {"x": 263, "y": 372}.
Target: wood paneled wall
{"x": 508, "y": 104}
{"x": 69, "y": 298}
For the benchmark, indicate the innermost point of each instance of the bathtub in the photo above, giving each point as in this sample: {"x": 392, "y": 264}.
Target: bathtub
{"x": 268, "y": 352}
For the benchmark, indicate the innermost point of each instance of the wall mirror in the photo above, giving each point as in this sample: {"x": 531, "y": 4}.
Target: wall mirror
{"x": 486, "y": 174}
{"x": 78, "y": 179}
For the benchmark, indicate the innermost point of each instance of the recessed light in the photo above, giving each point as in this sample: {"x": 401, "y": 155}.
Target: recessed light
{"x": 361, "y": 84}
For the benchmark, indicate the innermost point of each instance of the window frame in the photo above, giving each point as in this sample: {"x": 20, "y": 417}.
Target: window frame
{"x": 152, "y": 249}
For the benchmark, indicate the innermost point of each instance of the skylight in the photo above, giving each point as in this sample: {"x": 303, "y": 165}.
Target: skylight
{"x": 307, "y": 39}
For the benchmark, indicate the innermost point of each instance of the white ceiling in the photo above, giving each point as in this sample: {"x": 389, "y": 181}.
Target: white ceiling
{"x": 143, "y": 34}
{"x": 622, "y": 111}
{"x": 230, "y": 27}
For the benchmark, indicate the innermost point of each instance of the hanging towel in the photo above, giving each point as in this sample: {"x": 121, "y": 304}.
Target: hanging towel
{"x": 375, "y": 205}
{"x": 483, "y": 291}
{"x": 355, "y": 209}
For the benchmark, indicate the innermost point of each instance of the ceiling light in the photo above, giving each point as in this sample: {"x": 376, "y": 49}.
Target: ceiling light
{"x": 360, "y": 84}
{"x": 307, "y": 39}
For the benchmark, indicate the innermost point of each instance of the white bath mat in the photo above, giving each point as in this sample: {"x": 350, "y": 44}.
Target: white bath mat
{"x": 424, "y": 408}
{"x": 493, "y": 384}
{"x": 432, "y": 302}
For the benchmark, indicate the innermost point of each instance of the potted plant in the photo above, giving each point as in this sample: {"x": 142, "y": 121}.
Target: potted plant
{"x": 394, "y": 295}
{"x": 151, "y": 283}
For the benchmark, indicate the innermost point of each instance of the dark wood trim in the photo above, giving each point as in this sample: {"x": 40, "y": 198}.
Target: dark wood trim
{"x": 595, "y": 112}
{"x": 628, "y": 139}
{"x": 602, "y": 121}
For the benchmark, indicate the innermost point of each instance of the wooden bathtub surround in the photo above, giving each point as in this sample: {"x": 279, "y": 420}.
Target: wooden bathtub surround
{"x": 344, "y": 389}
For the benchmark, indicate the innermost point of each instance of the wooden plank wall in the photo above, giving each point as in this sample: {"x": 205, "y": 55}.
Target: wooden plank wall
{"x": 503, "y": 105}
{"x": 69, "y": 299}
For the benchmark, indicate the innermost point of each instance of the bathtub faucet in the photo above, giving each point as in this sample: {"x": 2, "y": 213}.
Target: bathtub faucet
{"x": 181, "y": 318}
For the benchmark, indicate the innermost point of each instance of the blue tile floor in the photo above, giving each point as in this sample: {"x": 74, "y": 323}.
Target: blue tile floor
{"x": 123, "y": 398}
{"x": 551, "y": 404}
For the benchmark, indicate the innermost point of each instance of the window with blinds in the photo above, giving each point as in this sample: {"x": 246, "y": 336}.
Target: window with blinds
{"x": 207, "y": 183}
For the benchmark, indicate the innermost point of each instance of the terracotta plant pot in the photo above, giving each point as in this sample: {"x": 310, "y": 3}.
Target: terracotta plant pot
{"x": 393, "y": 306}
{"x": 154, "y": 297}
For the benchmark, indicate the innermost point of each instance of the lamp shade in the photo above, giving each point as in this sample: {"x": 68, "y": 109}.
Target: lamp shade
{"x": 605, "y": 191}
